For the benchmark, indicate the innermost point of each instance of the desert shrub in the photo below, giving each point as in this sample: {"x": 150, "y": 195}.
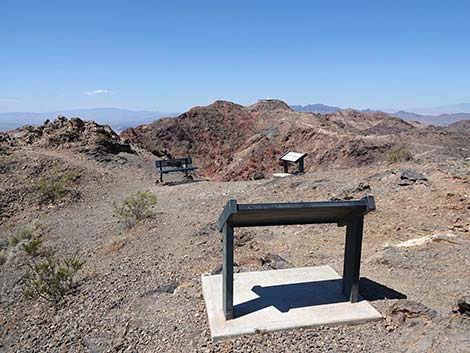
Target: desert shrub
{"x": 51, "y": 279}
{"x": 23, "y": 234}
{"x": 399, "y": 155}
{"x": 135, "y": 208}
{"x": 33, "y": 247}
{"x": 51, "y": 190}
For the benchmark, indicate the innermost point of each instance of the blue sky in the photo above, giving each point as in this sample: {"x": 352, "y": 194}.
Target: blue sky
{"x": 171, "y": 55}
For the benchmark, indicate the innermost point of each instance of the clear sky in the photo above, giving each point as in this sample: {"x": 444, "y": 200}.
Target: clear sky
{"x": 171, "y": 55}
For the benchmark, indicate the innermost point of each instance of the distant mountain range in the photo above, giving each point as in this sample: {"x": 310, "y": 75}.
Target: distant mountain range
{"x": 121, "y": 119}
{"x": 118, "y": 119}
{"x": 451, "y": 113}
{"x": 443, "y": 109}
{"x": 441, "y": 119}
{"x": 315, "y": 108}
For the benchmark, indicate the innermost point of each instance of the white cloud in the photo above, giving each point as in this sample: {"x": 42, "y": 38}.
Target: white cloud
{"x": 8, "y": 100}
{"x": 97, "y": 91}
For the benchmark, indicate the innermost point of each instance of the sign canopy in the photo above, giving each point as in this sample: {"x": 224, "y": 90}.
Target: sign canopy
{"x": 272, "y": 214}
{"x": 293, "y": 157}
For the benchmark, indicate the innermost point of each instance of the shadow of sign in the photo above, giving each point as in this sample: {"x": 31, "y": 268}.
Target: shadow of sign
{"x": 371, "y": 290}
{"x": 298, "y": 295}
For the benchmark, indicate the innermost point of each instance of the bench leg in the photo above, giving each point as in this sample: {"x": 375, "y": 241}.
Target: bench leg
{"x": 352, "y": 259}
{"x": 227, "y": 272}
{"x": 161, "y": 177}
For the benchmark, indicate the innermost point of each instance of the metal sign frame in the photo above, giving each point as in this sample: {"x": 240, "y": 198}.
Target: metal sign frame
{"x": 293, "y": 157}
{"x": 344, "y": 213}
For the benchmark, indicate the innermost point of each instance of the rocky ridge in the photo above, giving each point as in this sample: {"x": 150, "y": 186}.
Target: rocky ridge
{"x": 84, "y": 136}
{"x": 229, "y": 141}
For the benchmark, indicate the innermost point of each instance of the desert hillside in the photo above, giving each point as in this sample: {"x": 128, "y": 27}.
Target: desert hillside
{"x": 137, "y": 286}
{"x": 232, "y": 142}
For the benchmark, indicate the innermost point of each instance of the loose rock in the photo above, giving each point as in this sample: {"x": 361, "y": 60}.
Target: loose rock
{"x": 411, "y": 176}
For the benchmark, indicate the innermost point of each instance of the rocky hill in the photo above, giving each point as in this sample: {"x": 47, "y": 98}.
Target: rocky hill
{"x": 230, "y": 142}
{"x": 83, "y": 136}
{"x": 42, "y": 164}
{"x": 461, "y": 127}
{"x": 440, "y": 119}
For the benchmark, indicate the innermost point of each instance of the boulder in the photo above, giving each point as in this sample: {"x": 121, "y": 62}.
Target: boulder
{"x": 409, "y": 309}
{"x": 463, "y": 305}
{"x": 410, "y": 177}
{"x": 257, "y": 175}
{"x": 275, "y": 261}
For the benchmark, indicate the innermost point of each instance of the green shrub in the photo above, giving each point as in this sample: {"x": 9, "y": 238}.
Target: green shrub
{"x": 33, "y": 247}
{"x": 24, "y": 234}
{"x": 399, "y": 155}
{"x": 135, "y": 208}
{"x": 51, "y": 279}
{"x": 51, "y": 190}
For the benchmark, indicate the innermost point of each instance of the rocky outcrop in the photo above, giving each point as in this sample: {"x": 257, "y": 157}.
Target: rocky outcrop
{"x": 231, "y": 142}
{"x": 85, "y": 136}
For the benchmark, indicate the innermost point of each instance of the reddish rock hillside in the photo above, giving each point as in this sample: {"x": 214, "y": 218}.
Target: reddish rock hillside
{"x": 230, "y": 142}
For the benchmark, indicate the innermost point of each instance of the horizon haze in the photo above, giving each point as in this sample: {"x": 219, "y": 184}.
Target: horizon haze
{"x": 120, "y": 119}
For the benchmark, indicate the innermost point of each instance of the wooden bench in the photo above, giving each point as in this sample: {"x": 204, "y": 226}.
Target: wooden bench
{"x": 166, "y": 166}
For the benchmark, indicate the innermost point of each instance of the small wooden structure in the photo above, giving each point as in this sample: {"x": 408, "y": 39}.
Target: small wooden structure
{"x": 344, "y": 213}
{"x": 293, "y": 157}
{"x": 166, "y": 166}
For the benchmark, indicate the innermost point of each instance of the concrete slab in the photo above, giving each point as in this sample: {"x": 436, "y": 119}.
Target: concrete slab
{"x": 282, "y": 299}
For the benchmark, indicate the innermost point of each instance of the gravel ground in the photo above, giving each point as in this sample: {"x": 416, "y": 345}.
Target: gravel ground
{"x": 140, "y": 291}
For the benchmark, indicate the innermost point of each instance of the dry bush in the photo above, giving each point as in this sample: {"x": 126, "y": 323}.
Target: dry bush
{"x": 52, "y": 278}
{"x": 399, "y": 155}
{"x": 50, "y": 190}
{"x": 48, "y": 276}
{"x": 33, "y": 247}
{"x": 24, "y": 237}
{"x": 21, "y": 235}
{"x": 135, "y": 208}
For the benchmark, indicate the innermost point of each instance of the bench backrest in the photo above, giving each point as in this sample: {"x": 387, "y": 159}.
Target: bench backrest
{"x": 175, "y": 162}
